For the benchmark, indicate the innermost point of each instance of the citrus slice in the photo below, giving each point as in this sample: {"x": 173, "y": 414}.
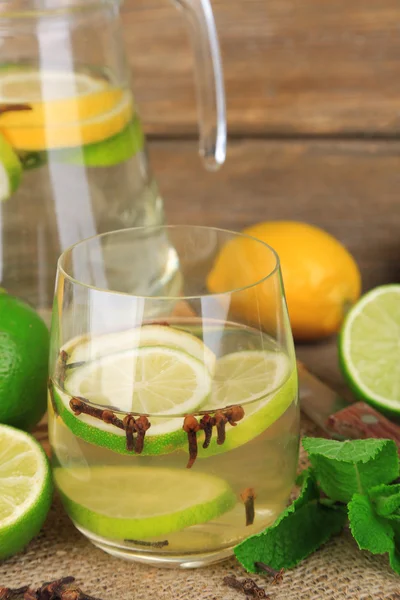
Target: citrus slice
{"x": 61, "y": 108}
{"x": 369, "y": 348}
{"x": 87, "y": 349}
{"x": 10, "y": 170}
{"x": 112, "y": 151}
{"x": 25, "y": 84}
{"x": 150, "y": 502}
{"x": 242, "y": 377}
{"x": 262, "y": 383}
{"x": 25, "y": 489}
{"x": 157, "y": 381}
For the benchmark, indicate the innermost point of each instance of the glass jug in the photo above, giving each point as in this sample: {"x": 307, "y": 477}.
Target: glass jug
{"x": 73, "y": 162}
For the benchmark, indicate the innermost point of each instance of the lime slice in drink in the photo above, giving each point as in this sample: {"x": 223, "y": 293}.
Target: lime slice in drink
{"x": 149, "y": 502}
{"x": 25, "y": 490}
{"x": 154, "y": 380}
{"x": 109, "y": 152}
{"x": 85, "y": 349}
{"x": 10, "y": 170}
{"x": 369, "y": 348}
{"x": 260, "y": 382}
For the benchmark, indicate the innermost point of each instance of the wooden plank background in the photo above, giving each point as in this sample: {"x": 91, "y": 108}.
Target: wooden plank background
{"x": 350, "y": 188}
{"x": 313, "y": 99}
{"x": 313, "y": 67}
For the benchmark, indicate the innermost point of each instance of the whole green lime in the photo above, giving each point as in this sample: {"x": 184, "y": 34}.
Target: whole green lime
{"x": 24, "y": 348}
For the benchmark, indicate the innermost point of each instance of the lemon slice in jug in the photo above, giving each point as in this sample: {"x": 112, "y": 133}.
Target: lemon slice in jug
{"x": 62, "y": 108}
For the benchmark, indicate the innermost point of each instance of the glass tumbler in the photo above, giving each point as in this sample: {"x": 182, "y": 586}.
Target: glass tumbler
{"x": 173, "y": 405}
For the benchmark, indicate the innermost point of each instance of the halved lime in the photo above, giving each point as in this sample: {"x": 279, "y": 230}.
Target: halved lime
{"x": 87, "y": 349}
{"x": 262, "y": 383}
{"x": 155, "y": 380}
{"x": 141, "y": 502}
{"x": 369, "y": 349}
{"x": 25, "y": 489}
{"x": 10, "y": 170}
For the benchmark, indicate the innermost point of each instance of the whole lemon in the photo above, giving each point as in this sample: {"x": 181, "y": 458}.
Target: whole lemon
{"x": 320, "y": 276}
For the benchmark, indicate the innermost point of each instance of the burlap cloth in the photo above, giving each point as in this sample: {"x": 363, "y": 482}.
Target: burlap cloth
{"x": 338, "y": 571}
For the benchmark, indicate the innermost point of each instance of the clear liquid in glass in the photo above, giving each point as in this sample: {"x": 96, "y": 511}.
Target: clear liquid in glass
{"x": 265, "y": 463}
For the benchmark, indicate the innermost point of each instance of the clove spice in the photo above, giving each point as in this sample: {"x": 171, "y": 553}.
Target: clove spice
{"x": 246, "y": 586}
{"x": 8, "y": 594}
{"x": 111, "y": 419}
{"x": 220, "y": 421}
{"x": 191, "y": 426}
{"x": 80, "y": 406}
{"x": 276, "y": 575}
{"x": 61, "y": 367}
{"x": 129, "y": 426}
{"x": 52, "y": 401}
{"x": 142, "y": 424}
{"x": 4, "y": 108}
{"x": 160, "y": 544}
{"x": 248, "y": 496}
{"x": 207, "y": 423}
{"x": 61, "y": 589}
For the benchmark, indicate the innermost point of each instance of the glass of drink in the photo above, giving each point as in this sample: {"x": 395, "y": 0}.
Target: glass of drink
{"x": 173, "y": 407}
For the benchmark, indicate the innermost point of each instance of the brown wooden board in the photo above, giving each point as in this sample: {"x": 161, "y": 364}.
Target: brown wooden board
{"x": 291, "y": 66}
{"x": 351, "y": 189}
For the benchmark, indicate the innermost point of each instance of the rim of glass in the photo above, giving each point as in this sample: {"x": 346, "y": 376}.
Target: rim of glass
{"x": 237, "y": 234}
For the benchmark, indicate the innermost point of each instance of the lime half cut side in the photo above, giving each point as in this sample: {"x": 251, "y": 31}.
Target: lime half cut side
{"x": 161, "y": 382}
{"x": 25, "y": 489}
{"x": 262, "y": 382}
{"x": 141, "y": 502}
{"x": 369, "y": 348}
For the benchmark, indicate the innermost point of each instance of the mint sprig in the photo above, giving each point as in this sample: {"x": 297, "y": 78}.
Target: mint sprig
{"x": 350, "y": 467}
{"x": 357, "y": 473}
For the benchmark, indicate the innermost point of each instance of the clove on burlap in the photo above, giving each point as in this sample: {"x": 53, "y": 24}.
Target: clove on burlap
{"x": 247, "y": 586}
{"x": 60, "y": 589}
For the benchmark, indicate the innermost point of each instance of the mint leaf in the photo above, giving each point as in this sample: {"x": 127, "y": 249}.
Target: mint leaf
{"x": 353, "y": 466}
{"x": 386, "y": 499}
{"x": 373, "y": 532}
{"x": 370, "y": 531}
{"x": 301, "y": 528}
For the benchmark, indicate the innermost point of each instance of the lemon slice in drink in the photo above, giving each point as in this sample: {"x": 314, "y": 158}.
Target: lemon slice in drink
{"x": 25, "y": 489}
{"x": 150, "y": 502}
{"x": 369, "y": 349}
{"x": 87, "y": 349}
{"x": 63, "y": 109}
{"x": 154, "y": 380}
{"x": 262, "y": 383}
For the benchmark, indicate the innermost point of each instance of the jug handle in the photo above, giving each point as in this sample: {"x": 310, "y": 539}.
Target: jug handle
{"x": 209, "y": 81}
